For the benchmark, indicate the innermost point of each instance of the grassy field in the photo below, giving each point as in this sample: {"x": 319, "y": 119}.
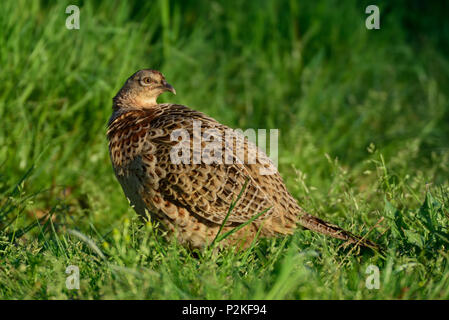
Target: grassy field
{"x": 364, "y": 135}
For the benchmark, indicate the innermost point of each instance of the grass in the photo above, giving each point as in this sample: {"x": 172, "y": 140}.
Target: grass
{"x": 362, "y": 116}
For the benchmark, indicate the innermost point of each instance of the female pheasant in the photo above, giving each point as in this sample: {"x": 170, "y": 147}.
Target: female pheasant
{"x": 191, "y": 194}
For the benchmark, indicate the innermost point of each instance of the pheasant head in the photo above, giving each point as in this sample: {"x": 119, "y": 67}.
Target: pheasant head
{"x": 141, "y": 90}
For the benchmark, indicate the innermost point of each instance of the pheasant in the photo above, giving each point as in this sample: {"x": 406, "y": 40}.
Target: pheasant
{"x": 195, "y": 196}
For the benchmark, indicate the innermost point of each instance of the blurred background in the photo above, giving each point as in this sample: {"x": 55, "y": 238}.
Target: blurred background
{"x": 361, "y": 113}
{"x": 310, "y": 69}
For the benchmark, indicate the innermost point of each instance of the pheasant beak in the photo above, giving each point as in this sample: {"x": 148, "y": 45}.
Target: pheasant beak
{"x": 169, "y": 87}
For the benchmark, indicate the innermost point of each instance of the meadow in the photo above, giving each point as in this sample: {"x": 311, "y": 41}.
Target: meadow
{"x": 363, "y": 117}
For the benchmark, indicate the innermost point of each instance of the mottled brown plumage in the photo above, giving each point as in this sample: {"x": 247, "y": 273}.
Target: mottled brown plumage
{"x": 192, "y": 200}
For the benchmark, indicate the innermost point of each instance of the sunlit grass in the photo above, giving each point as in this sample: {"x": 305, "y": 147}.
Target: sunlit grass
{"x": 363, "y": 135}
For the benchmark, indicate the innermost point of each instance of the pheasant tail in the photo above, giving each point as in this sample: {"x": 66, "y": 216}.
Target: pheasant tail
{"x": 316, "y": 224}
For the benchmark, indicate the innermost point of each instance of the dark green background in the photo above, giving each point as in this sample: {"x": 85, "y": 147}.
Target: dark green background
{"x": 364, "y": 133}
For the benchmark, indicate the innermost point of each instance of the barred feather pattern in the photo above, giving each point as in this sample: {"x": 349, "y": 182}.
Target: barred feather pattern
{"x": 192, "y": 200}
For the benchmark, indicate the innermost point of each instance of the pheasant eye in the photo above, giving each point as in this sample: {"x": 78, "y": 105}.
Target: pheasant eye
{"x": 147, "y": 80}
